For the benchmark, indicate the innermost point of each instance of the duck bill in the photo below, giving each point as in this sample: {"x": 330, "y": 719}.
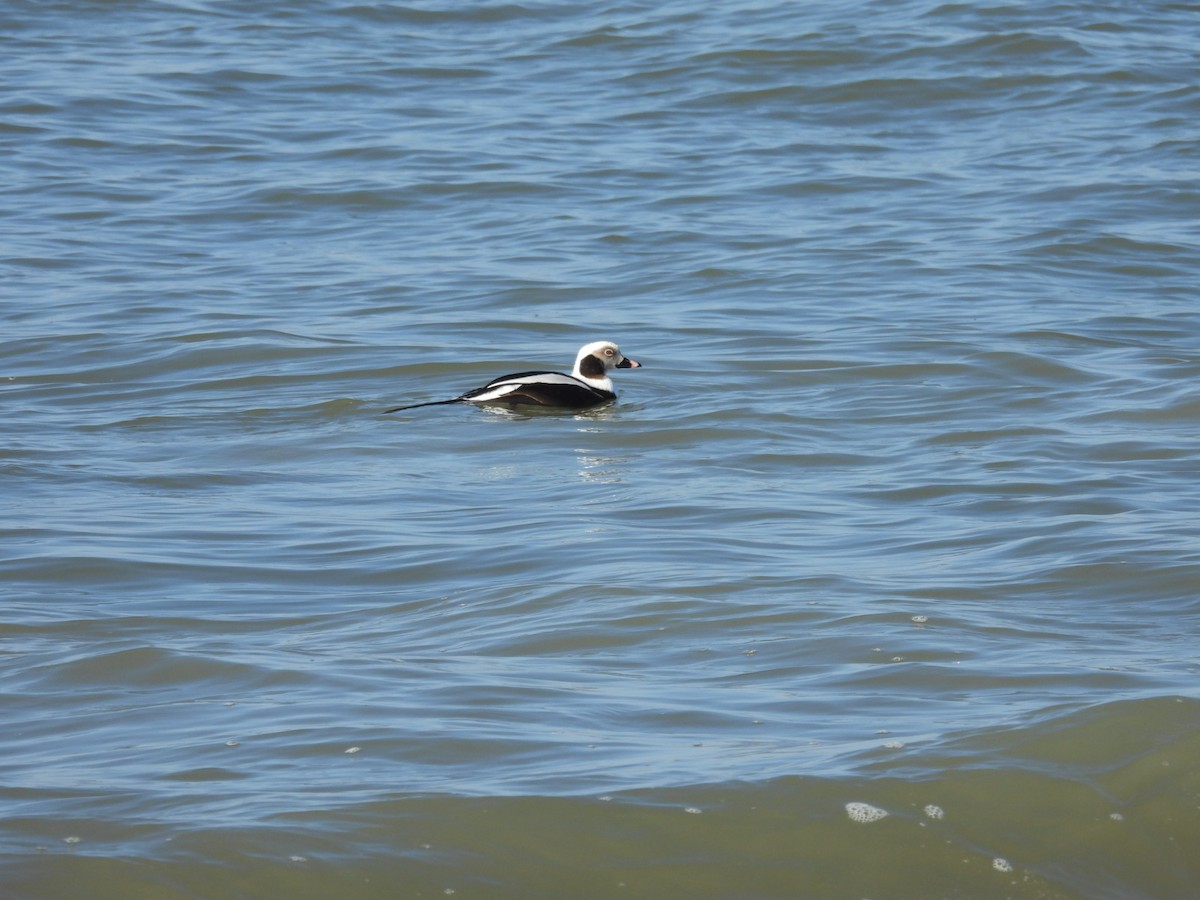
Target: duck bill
{"x": 628, "y": 363}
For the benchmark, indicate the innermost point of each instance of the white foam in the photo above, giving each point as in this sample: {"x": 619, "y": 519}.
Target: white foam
{"x": 864, "y": 812}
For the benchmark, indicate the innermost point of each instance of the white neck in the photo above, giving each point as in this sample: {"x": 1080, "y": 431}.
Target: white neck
{"x": 601, "y": 384}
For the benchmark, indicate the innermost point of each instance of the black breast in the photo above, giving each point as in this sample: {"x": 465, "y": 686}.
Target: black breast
{"x": 566, "y": 396}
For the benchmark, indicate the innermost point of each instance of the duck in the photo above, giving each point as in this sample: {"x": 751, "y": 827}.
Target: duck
{"x": 588, "y": 384}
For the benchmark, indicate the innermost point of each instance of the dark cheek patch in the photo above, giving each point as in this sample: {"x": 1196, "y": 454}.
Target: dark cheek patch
{"x": 591, "y": 367}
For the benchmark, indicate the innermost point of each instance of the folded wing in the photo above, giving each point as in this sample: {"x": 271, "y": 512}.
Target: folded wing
{"x": 539, "y": 389}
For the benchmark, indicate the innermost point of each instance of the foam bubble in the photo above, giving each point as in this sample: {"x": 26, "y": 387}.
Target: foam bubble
{"x": 864, "y": 812}
{"x": 935, "y": 812}
{"x": 1000, "y": 864}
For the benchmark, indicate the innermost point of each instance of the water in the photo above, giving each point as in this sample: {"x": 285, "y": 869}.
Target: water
{"x": 898, "y": 517}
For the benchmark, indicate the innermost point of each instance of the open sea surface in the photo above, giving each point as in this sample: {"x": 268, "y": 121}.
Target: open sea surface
{"x": 880, "y": 580}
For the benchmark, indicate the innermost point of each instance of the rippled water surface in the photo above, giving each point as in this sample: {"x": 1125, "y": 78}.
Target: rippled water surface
{"x": 880, "y": 580}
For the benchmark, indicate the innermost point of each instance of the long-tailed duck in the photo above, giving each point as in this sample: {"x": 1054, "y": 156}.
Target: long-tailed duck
{"x": 588, "y": 385}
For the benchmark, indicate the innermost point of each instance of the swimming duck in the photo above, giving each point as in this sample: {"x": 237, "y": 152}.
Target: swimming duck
{"x": 588, "y": 384}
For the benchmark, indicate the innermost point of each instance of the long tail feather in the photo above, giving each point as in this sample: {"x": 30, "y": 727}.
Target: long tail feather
{"x": 418, "y": 405}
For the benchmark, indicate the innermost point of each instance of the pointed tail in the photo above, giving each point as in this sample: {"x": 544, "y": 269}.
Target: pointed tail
{"x": 419, "y": 405}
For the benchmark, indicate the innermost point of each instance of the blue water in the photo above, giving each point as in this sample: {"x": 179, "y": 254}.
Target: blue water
{"x": 900, "y": 510}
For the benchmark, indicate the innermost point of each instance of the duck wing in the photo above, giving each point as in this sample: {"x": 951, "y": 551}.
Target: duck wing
{"x": 539, "y": 389}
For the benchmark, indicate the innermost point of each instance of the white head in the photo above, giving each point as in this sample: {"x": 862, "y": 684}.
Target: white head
{"x": 594, "y": 361}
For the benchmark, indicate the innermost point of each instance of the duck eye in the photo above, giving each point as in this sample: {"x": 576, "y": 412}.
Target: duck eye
{"x": 608, "y": 352}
